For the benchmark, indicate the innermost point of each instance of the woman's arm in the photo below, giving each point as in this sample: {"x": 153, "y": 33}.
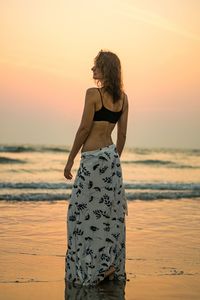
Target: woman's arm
{"x": 83, "y": 131}
{"x": 122, "y": 127}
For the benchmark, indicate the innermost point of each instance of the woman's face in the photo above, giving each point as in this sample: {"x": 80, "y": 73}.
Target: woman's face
{"x": 97, "y": 74}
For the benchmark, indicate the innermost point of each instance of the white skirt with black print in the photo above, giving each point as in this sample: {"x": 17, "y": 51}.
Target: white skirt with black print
{"x": 96, "y": 228}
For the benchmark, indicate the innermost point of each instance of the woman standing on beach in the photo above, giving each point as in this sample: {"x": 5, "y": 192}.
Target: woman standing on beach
{"x": 96, "y": 214}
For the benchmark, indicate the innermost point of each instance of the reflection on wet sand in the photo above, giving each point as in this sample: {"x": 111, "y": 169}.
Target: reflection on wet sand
{"x": 107, "y": 290}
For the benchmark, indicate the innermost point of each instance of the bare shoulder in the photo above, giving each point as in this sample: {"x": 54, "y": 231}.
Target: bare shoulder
{"x": 91, "y": 91}
{"x": 91, "y": 94}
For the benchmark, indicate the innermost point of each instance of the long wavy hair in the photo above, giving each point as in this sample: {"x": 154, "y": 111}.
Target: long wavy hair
{"x": 110, "y": 67}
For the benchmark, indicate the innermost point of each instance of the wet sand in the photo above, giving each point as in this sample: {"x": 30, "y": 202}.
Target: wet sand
{"x": 162, "y": 252}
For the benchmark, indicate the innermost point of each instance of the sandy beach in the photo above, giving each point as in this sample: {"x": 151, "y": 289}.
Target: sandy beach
{"x": 162, "y": 252}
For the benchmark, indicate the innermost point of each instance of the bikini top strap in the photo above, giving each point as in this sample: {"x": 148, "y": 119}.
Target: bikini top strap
{"x": 100, "y": 95}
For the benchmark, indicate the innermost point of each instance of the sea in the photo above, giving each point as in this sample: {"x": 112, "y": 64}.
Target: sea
{"x": 162, "y": 227}
{"x": 36, "y": 173}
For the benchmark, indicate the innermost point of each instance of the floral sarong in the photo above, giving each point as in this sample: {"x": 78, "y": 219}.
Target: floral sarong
{"x": 96, "y": 226}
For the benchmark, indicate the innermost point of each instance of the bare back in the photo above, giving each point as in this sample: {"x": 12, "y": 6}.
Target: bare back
{"x": 101, "y": 131}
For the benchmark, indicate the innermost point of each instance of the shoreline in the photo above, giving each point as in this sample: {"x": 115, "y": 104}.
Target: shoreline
{"x": 162, "y": 252}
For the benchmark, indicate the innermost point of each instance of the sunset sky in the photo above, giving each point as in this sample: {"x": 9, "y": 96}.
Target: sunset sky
{"x": 47, "y": 51}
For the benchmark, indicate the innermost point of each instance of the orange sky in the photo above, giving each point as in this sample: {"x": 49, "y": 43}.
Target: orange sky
{"x": 47, "y": 50}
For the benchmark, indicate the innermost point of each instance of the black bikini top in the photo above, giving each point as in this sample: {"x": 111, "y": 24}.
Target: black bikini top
{"x": 105, "y": 114}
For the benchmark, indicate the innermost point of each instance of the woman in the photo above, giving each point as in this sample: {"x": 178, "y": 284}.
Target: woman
{"x": 97, "y": 208}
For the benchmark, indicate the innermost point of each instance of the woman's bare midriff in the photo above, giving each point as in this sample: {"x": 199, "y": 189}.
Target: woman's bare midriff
{"x": 99, "y": 137}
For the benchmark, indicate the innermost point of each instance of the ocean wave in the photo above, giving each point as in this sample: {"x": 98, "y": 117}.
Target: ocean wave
{"x": 8, "y": 160}
{"x": 157, "y": 162}
{"x": 163, "y": 186}
{"x": 56, "y": 149}
{"x": 35, "y": 185}
{"x": 149, "y": 150}
{"x": 128, "y": 186}
{"x": 34, "y": 197}
{"x": 17, "y": 149}
{"x": 146, "y": 196}
{"x": 170, "y": 195}
{"x": 33, "y": 148}
{"x": 147, "y": 161}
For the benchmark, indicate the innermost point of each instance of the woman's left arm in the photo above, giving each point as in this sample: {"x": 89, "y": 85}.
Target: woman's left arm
{"x": 83, "y": 131}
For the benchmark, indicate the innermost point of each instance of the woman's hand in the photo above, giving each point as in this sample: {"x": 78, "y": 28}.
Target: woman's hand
{"x": 67, "y": 170}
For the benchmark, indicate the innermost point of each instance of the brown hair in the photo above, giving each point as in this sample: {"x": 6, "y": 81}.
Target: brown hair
{"x": 110, "y": 67}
